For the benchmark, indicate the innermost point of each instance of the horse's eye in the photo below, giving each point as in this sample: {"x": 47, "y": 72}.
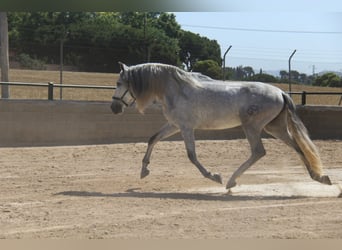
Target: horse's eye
{"x": 118, "y": 84}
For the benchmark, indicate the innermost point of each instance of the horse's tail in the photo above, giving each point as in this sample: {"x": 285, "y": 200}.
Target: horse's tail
{"x": 307, "y": 149}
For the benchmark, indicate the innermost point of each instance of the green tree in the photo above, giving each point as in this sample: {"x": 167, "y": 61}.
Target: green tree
{"x": 249, "y": 72}
{"x": 95, "y": 41}
{"x": 328, "y": 80}
{"x": 229, "y": 73}
{"x": 195, "y": 48}
{"x": 167, "y": 22}
{"x": 15, "y": 20}
{"x": 39, "y": 33}
{"x": 295, "y": 76}
{"x": 209, "y": 68}
{"x": 262, "y": 77}
{"x": 284, "y": 76}
{"x": 303, "y": 78}
{"x": 240, "y": 74}
{"x": 138, "y": 19}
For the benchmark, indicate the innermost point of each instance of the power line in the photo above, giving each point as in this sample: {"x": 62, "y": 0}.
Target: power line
{"x": 263, "y": 30}
{"x": 281, "y": 53}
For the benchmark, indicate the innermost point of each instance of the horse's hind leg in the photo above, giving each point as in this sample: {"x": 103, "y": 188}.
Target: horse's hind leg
{"x": 189, "y": 140}
{"x": 278, "y": 128}
{"x": 166, "y": 131}
{"x": 258, "y": 151}
{"x": 279, "y": 131}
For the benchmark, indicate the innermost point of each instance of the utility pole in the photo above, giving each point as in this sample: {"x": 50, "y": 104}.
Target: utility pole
{"x": 61, "y": 68}
{"x": 290, "y": 70}
{"x": 145, "y": 42}
{"x": 224, "y": 63}
{"x": 64, "y": 34}
{"x": 4, "y": 61}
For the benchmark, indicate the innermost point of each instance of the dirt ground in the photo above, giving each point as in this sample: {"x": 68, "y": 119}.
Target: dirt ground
{"x": 86, "y": 192}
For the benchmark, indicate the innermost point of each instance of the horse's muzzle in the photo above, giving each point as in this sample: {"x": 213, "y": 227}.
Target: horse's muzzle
{"x": 117, "y": 107}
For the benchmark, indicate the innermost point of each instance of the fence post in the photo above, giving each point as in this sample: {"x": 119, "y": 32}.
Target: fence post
{"x": 290, "y": 89}
{"x": 50, "y": 91}
{"x": 303, "y": 98}
{"x": 224, "y": 63}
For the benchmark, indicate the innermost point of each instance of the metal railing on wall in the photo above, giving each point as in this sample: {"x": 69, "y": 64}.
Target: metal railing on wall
{"x": 304, "y": 94}
{"x": 51, "y": 86}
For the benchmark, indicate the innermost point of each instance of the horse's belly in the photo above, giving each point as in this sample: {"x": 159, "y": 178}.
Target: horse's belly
{"x": 222, "y": 123}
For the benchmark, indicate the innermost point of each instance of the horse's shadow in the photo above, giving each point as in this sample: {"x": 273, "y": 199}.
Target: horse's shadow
{"x": 134, "y": 193}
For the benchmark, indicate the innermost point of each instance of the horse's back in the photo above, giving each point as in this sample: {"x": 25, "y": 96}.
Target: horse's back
{"x": 230, "y": 104}
{"x": 241, "y": 92}
{"x": 243, "y": 85}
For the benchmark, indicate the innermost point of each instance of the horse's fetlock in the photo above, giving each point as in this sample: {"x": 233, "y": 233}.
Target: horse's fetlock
{"x": 207, "y": 174}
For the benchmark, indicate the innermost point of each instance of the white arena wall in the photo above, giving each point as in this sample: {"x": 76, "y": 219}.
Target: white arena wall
{"x": 54, "y": 123}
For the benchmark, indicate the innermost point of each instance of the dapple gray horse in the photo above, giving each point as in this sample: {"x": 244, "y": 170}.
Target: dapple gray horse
{"x": 192, "y": 101}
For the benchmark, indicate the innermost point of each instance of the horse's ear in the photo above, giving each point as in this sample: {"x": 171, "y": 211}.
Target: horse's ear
{"x": 123, "y": 67}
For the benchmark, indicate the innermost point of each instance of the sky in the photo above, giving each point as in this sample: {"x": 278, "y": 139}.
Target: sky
{"x": 265, "y": 38}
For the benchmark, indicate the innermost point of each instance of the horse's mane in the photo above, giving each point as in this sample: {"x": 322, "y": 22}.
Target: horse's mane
{"x": 152, "y": 80}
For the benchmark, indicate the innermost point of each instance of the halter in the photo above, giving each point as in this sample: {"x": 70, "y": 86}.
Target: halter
{"x": 121, "y": 99}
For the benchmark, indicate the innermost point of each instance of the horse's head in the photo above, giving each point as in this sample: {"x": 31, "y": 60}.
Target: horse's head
{"x": 123, "y": 96}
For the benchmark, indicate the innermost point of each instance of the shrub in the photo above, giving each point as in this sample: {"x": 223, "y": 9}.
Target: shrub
{"x": 209, "y": 68}
{"x": 27, "y": 62}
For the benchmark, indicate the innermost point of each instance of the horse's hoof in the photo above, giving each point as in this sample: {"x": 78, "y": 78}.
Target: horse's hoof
{"x": 229, "y": 192}
{"x": 144, "y": 172}
{"x": 214, "y": 177}
{"x": 325, "y": 180}
{"x": 217, "y": 178}
{"x": 230, "y": 184}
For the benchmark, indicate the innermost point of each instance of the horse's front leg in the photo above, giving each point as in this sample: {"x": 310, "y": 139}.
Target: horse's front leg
{"x": 189, "y": 140}
{"x": 166, "y": 131}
